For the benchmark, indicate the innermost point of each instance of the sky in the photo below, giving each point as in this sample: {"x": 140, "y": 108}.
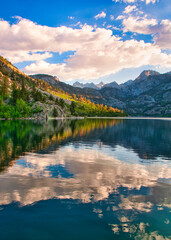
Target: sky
{"x": 88, "y": 41}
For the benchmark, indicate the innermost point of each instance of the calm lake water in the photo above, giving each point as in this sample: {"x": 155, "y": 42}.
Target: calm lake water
{"x": 85, "y": 179}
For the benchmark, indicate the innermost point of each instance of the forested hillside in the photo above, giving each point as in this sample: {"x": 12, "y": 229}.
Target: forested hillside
{"x": 23, "y": 96}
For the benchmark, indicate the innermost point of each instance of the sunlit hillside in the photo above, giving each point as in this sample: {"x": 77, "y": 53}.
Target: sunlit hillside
{"x": 23, "y": 96}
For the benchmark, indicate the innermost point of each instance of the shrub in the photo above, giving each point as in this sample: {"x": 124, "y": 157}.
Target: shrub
{"x": 51, "y": 98}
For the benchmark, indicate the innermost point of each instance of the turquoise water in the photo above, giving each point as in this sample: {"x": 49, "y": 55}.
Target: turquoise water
{"x": 85, "y": 179}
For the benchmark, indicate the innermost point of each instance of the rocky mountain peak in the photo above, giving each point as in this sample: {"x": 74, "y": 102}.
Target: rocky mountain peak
{"x": 146, "y": 73}
{"x": 111, "y": 85}
{"x": 100, "y": 85}
{"x": 47, "y": 78}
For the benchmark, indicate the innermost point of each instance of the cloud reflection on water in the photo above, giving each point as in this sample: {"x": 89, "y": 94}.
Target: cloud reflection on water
{"x": 95, "y": 175}
{"x": 106, "y": 166}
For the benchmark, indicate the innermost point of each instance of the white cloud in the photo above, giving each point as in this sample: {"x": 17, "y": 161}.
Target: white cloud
{"x": 134, "y": 1}
{"x": 126, "y": 1}
{"x": 112, "y": 17}
{"x": 151, "y": 1}
{"x": 96, "y": 175}
{"x": 71, "y": 17}
{"x": 140, "y": 25}
{"x": 130, "y": 9}
{"x": 94, "y": 61}
{"x": 97, "y": 52}
{"x": 143, "y": 25}
{"x": 113, "y": 27}
{"x": 100, "y": 15}
{"x": 20, "y": 56}
{"x": 120, "y": 17}
{"x": 163, "y": 38}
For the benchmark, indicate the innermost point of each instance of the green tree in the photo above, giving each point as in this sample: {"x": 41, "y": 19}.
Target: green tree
{"x": 23, "y": 90}
{"x": 22, "y": 108}
{"x": 1, "y": 101}
{"x": 55, "y": 112}
{"x": 61, "y": 102}
{"x": 15, "y": 94}
{"x": 72, "y": 108}
{"x": 4, "y": 87}
{"x": 13, "y": 76}
{"x": 56, "y": 101}
{"x": 51, "y": 97}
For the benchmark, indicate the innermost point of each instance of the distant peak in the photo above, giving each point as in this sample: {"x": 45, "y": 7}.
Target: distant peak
{"x": 149, "y": 73}
{"x": 146, "y": 73}
{"x": 88, "y": 85}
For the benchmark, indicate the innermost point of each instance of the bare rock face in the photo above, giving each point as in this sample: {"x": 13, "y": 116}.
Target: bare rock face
{"x": 43, "y": 110}
{"x": 145, "y": 74}
{"x": 100, "y": 85}
{"x": 47, "y": 78}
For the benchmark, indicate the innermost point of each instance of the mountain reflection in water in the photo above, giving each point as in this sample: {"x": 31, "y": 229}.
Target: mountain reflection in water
{"x": 111, "y": 176}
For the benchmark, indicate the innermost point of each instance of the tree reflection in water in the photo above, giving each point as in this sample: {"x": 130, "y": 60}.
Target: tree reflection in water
{"x": 119, "y": 169}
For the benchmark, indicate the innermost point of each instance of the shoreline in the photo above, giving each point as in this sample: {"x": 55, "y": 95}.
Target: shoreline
{"x": 36, "y": 118}
{"x": 133, "y": 118}
{"x": 75, "y": 118}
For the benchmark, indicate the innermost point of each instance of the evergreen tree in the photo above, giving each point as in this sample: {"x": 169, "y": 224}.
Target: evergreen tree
{"x": 4, "y": 87}
{"x": 55, "y": 112}
{"x": 56, "y": 101}
{"x": 72, "y": 108}
{"x": 51, "y": 98}
{"x": 23, "y": 90}
{"x": 61, "y": 102}
{"x": 15, "y": 93}
{"x": 13, "y": 76}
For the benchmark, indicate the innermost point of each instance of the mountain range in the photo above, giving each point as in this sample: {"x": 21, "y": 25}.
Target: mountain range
{"x": 22, "y": 96}
{"x": 101, "y": 85}
{"x": 89, "y": 85}
{"x": 148, "y": 95}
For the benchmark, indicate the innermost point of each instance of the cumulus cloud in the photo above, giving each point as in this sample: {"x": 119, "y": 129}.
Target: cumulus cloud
{"x": 139, "y": 25}
{"x": 21, "y": 56}
{"x": 163, "y": 38}
{"x": 104, "y": 60}
{"x": 143, "y": 25}
{"x": 97, "y": 52}
{"x": 100, "y": 15}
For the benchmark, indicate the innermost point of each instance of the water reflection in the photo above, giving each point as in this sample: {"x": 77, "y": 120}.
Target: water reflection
{"x": 119, "y": 169}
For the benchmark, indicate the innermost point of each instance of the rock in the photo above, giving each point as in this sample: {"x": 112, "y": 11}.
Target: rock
{"x": 42, "y": 110}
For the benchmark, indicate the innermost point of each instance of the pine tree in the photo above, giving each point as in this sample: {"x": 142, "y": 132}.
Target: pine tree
{"x": 56, "y": 101}
{"x": 13, "y": 76}
{"x": 4, "y": 87}
{"x": 23, "y": 90}
{"x": 61, "y": 102}
{"x": 15, "y": 93}
{"x": 72, "y": 108}
{"x": 55, "y": 112}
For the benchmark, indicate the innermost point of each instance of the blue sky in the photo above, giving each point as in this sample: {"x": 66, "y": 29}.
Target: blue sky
{"x": 99, "y": 40}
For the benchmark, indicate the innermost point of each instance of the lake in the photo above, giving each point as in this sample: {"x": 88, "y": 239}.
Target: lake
{"x": 85, "y": 179}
